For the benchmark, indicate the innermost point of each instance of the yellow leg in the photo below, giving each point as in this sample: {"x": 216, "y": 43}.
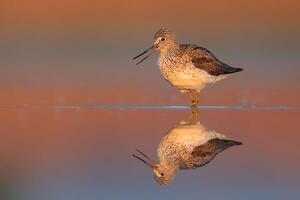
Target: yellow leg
{"x": 197, "y": 97}
{"x": 192, "y": 97}
{"x": 194, "y": 116}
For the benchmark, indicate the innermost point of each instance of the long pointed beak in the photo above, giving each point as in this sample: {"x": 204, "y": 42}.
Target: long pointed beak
{"x": 150, "y": 164}
{"x": 144, "y": 52}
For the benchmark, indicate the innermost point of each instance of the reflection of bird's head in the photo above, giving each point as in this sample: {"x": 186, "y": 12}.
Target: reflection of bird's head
{"x": 164, "y": 174}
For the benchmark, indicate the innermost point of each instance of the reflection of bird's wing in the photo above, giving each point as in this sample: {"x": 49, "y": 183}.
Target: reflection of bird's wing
{"x": 203, "y": 154}
{"x": 205, "y": 60}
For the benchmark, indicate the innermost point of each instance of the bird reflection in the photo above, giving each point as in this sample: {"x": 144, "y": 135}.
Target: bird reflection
{"x": 187, "y": 146}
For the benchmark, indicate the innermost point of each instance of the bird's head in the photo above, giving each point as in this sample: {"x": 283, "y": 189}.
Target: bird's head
{"x": 162, "y": 173}
{"x": 163, "y": 41}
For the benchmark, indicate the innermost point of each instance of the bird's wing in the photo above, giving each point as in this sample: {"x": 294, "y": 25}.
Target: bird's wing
{"x": 203, "y": 154}
{"x": 203, "y": 59}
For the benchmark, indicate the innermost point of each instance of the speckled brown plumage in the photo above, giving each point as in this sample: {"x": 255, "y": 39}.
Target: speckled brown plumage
{"x": 187, "y": 67}
{"x": 203, "y": 154}
{"x": 189, "y": 146}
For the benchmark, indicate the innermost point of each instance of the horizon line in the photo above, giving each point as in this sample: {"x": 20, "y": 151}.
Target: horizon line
{"x": 151, "y": 107}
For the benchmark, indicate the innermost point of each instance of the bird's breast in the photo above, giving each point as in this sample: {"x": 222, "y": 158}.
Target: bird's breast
{"x": 183, "y": 75}
{"x": 171, "y": 68}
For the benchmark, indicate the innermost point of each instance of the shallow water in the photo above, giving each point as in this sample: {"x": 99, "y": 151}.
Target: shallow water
{"x": 74, "y": 106}
{"x": 85, "y": 152}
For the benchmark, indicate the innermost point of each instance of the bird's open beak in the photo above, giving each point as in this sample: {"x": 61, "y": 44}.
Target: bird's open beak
{"x": 150, "y": 163}
{"x": 144, "y": 52}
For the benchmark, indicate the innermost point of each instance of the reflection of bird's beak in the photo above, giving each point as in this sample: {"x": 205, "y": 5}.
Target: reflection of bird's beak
{"x": 144, "y": 52}
{"x": 150, "y": 164}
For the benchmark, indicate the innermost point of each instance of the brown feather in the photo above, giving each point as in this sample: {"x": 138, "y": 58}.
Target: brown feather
{"x": 203, "y": 154}
{"x": 203, "y": 59}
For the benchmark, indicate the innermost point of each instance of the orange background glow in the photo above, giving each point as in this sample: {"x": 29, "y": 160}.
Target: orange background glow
{"x": 68, "y": 52}
{"x": 75, "y": 52}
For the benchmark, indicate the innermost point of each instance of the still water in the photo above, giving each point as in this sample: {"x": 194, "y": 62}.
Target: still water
{"x": 83, "y": 153}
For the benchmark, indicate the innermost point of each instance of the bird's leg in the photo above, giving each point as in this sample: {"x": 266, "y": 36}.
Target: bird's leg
{"x": 191, "y": 117}
{"x": 194, "y": 116}
{"x": 197, "y": 97}
{"x": 196, "y": 113}
{"x": 192, "y": 97}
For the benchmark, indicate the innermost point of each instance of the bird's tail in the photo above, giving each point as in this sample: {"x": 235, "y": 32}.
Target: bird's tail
{"x": 229, "y": 143}
{"x": 222, "y": 144}
{"x": 229, "y": 70}
{"x": 234, "y": 70}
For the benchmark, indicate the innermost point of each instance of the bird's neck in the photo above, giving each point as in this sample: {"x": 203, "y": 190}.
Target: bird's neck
{"x": 171, "y": 167}
{"x": 172, "y": 47}
{"x": 170, "y": 54}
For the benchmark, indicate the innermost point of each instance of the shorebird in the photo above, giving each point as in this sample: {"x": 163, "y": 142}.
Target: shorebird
{"x": 187, "y": 67}
{"x": 187, "y": 146}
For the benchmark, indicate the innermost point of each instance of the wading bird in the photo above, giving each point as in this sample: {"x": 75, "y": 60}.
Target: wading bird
{"x": 187, "y": 146}
{"x": 187, "y": 67}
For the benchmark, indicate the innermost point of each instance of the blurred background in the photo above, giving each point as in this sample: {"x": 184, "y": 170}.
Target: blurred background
{"x": 86, "y": 155}
{"x": 79, "y": 52}
{"x": 74, "y": 52}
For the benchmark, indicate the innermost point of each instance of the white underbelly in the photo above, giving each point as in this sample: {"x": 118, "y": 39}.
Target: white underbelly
{"x": 187, "y": 137}
{"x": 184, "y": 81}
{"x": 193, "y": 135}
{"x": 189, "y": 78}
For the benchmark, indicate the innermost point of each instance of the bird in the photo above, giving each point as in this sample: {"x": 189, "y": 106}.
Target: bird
{"x": 187, "y": 146}
{"x": 187, "y": 67}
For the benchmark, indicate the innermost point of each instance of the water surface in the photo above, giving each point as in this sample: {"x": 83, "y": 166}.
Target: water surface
{"x": 55, "y": 153}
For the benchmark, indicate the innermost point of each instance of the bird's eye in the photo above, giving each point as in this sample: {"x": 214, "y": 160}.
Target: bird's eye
{"x": 162, "y": 174}
{"x": 162, "y": 39}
